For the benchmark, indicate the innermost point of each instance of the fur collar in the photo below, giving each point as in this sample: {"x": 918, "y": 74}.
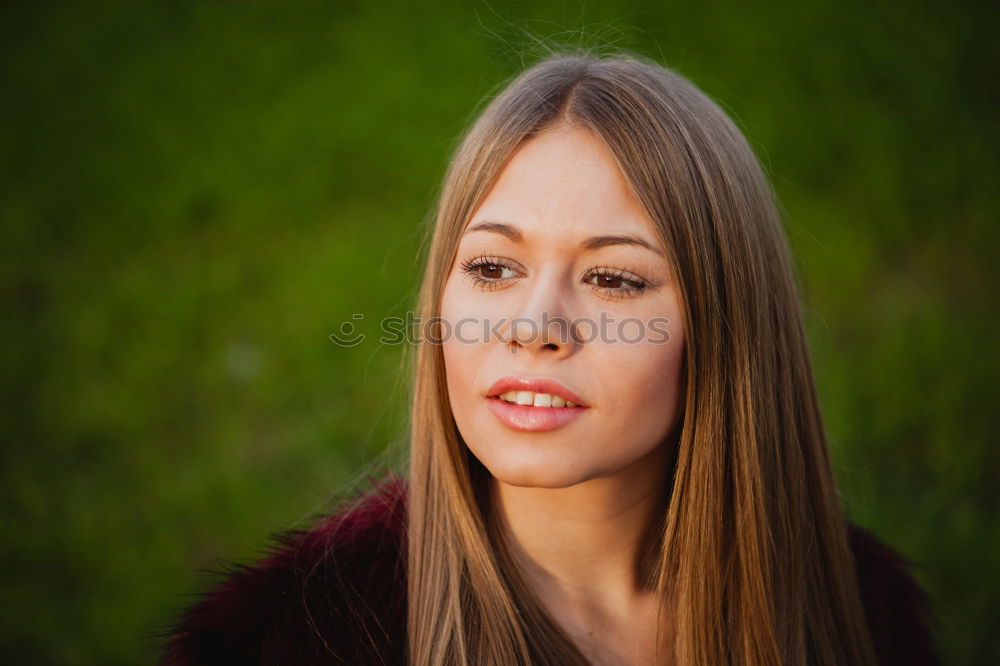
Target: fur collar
{"x": 336, "y": 594}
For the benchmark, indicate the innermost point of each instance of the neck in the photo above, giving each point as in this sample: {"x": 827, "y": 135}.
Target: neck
{"x": 593, "y": 544}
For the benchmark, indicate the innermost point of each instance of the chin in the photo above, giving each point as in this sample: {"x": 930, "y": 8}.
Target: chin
{"x": 534, "y": 472}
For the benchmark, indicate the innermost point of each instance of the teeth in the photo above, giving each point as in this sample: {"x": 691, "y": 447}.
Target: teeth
{"x": 543, "y": 400}
{"x": 530, "y": 398}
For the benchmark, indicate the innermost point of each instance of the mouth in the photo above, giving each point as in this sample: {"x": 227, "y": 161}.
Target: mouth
{"x": 534, "y": 404}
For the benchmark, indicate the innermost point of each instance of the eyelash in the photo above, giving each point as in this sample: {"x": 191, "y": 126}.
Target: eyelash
{"x": 636, "y": 285}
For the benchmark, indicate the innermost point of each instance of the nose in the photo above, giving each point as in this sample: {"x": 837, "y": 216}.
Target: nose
{"x": 542, "y": 324}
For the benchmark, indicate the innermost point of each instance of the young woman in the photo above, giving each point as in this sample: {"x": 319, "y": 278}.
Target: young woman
{"x": 617, "y": 454}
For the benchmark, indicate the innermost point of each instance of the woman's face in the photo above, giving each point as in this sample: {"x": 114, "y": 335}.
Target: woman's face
{"x": 561, "y": 292}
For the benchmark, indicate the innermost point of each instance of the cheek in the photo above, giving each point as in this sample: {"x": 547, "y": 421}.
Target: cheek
{"x": 461, "y": 316}
{"x": 460, "y": 361}
{"x": 642, "y": 394}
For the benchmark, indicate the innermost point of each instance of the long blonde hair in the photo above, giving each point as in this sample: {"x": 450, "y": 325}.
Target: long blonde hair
{"x": 754, "y": 562}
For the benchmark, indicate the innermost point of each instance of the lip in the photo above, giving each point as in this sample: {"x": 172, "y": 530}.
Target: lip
{"x": 535, "y": 385}
{"x": 533, "y": 419}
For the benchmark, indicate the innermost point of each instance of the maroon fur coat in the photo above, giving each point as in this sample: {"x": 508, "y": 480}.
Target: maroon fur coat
{"x": 336, "y": 594}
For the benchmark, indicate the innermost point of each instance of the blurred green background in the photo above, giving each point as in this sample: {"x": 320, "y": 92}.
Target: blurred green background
{"x": 194, "y": 195}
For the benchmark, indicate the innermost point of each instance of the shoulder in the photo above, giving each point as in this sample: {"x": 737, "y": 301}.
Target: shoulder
{"x": 333, "y": 594}
{"x": 897, "y": 609}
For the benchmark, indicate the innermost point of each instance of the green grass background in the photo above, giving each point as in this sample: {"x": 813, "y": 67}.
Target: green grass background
{"x": 194, "y": 195}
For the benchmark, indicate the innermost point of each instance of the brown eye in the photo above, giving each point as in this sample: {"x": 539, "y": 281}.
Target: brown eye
{"x": 488, "y": 272}
{"x": 615, "y": 283}
{"x": 491, "y": 271}
{"x": 609, "y": 281}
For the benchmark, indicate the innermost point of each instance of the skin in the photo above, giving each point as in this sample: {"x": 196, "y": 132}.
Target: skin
{"x": 579, "y": 503}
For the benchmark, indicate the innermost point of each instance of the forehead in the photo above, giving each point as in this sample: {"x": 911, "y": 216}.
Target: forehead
{"x": 565, "y": 184}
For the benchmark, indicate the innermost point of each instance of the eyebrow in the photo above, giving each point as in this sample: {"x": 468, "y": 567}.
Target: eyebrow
{"x": 592, "y": 243}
